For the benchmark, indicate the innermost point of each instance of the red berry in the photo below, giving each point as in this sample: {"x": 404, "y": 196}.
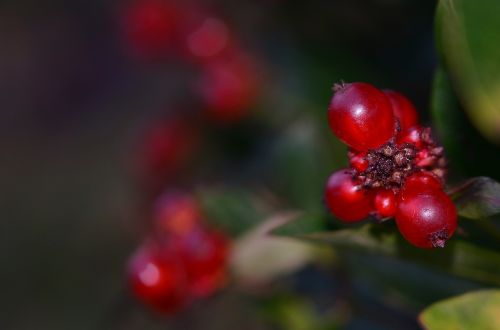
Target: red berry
{"x": 177, "y": 214}
{"x": 421, "y": 181}
{"x": 359, "y": 162}
{"x": 346, "y": 200}
{"x": 386, "y": 203}
{"x": 165, "y": 149}
{"x": 361, "y": 116}
{"x": 412, "y": 136}
{"x": 204, "y": 255}
{"x": 228, "y": 87}
{"x": 403, "y": 110}
{"x": 150, "y": 26}
{"x": 426, "y": 219}
{"x": 156, "y": 278}
{"x": 208, "y": 38}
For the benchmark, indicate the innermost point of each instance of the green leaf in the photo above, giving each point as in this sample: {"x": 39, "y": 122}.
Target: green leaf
{"x": 458, "y": 257}
{"x": 479, "y": 310}
{"x": 477, "y": 198}
{"x": 466, "y": 35}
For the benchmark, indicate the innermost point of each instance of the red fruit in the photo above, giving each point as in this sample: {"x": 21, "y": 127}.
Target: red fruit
{"x": 150, "y": 26}
{"x": 361, "y": 116}
{"x": 156, "y": 278}
{"x": 359, "y": 162}
{"x": 228, "y": 87}
{"x": 403, "y": 110}
{"x": 346, "y": 200}
{"x": 177, "y": 214}
{"x": 204, "y": 255}
{"x": 420, "y": 182}
{"x": 386, "y": 203}
{"x": 412, "y": 136}
{"x": 426, "y": 219}
{"x": 166, "y": 148}
{"x": 208, "y": 38}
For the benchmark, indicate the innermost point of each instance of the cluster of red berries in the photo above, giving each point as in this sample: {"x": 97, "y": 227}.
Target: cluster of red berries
{"x": 182, "y": 261}
{"x": 228, "y": 79}
{"x": 396, "y": 168}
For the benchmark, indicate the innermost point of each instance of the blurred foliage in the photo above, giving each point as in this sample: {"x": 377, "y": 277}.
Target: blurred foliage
{"x": 474, "y": 310}
{"x": 466, "y": 32}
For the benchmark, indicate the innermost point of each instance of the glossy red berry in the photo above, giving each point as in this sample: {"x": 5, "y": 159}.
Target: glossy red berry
{"x": 157, "y": 278}
{"x": 420, "y": 182}
{"x": 412, "y": 136}
{"x": 177, "y": 213}
{"x": 426, "y": 219}
{"x": 359, "y": 162}
{"x": 403, "y": 109}
{"x": 361, "y": 116}
{"x": 150, "y": 26}
{"x": 386, "y": 203}
{"x": 346, "y": 200}
{"x": 204, "y": 254}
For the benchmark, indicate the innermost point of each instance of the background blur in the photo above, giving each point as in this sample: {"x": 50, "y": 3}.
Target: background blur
{"x": 74, "y": 102}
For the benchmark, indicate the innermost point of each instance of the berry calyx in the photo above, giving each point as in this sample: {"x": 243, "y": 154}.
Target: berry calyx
{"x": 426, "y": 219}
{"x": 386, "y": 203}
{"x": 347, "y": 200}
{"x": 156, "y": 278}
{"x": 388, "y": 166}
{"x": 361, "y": 116}
{"x": 403, "y": 109}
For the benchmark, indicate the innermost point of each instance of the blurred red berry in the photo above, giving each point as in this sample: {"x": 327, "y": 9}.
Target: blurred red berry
{"x": 426, "y": 218}
{"x": 386, "y": 203}
{"x": 403, "y": 109}
{"x": 177, "y": 213}
{"x": 166, "y": 148}
{"x": 157, "y": 279}
{"x": 208, "y": 38}
{"x": 149, "y": 26}
{"x": 204, "y": 254}
{"x": 228, "y": 87}
{"x": 345, "y": 199}
{"x": 361, "y": 116}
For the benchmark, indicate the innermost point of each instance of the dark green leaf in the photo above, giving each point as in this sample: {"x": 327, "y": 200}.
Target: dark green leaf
{"x": 458, "y": 257}
{"x": 477, "y": 198}
{"x": 479, "y": 310}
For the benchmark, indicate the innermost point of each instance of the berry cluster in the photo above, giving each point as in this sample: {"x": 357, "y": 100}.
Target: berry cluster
{"x": 227, "y": 81}
{"x": 396, "y": 168}
{"x": 182, "y": 261}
